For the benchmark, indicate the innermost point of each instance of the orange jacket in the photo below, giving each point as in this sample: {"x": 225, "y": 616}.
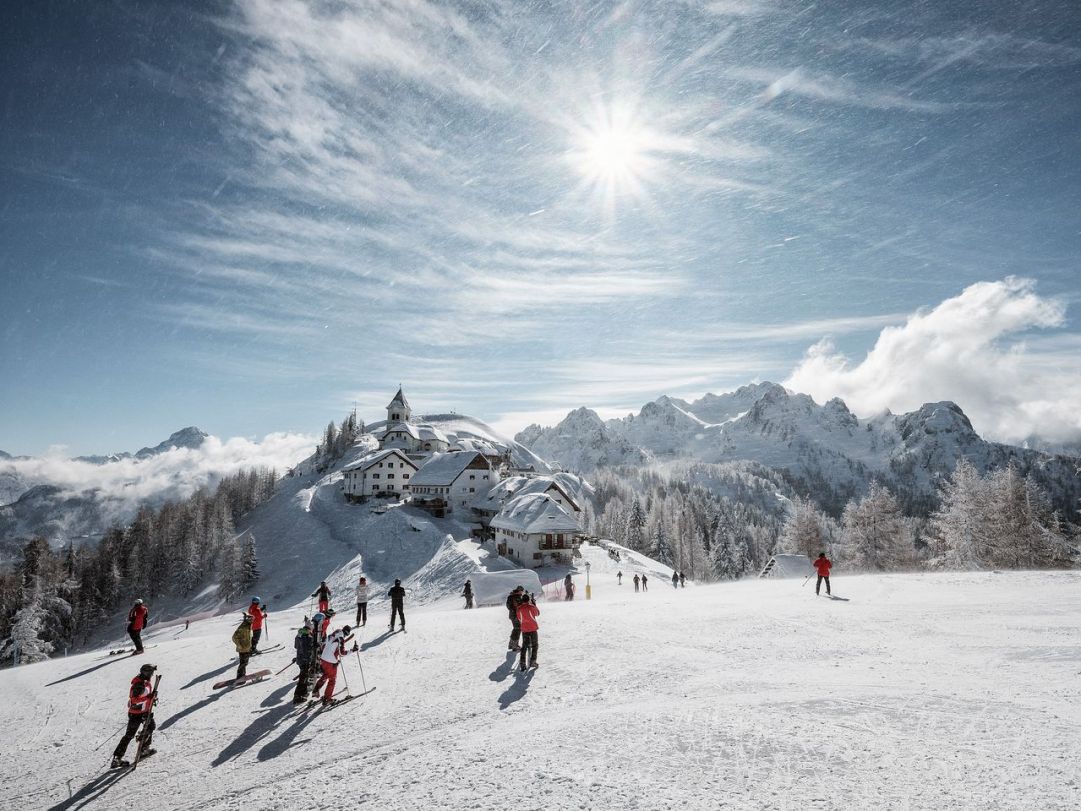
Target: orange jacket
{"x": 527, "y": 617}
{"x": 822, "y": 566}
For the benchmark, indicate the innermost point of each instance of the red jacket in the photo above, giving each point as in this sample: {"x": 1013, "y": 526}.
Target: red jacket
{"x": 140, "y": 697}
{"x": 822, "y": 566}
{"x": 137, "y": 617}
{"x": 257, "y": 616}
{"x": 527, "y": 617}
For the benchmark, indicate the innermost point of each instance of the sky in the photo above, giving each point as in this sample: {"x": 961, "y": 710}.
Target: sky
{"x": 249, "y": 216}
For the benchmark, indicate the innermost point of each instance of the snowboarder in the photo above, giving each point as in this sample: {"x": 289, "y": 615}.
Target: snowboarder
{"x": 258, "y": 614}
{"x": 323, "y": 593}
{"x": 397, "y": 603}
{"x": 329, "y": 659}
{"x": 136, "y": 622}
{"x": 467, "y": 592}
{"x": 141, "y": 700}
{"x": 822, "y": 566}
{"x": 527, "y": 619}
{"x": 619, "y": 578}
{"x": 675, "y": 580}
{"x": 645, "y": 582}
{"x": 512, "y": 609}
{"x": 305, "y": 648}
{"x": 682, "y": 581}
{"x": 362, "y": 602}
{"x": 636, "y": 581}
{"x": 242, "y": 639}
{"x": 568, "y": 587}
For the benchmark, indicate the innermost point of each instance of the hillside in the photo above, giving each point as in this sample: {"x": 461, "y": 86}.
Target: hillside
{"x": 767, "y": 698}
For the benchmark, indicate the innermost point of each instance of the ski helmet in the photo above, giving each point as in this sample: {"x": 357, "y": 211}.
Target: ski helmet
{"x": 255, "y": 600}
{"x": 318, "y": 617}
{"x": 397, "y": 582}
{"x": 138, "y": 602}
{"x": 346, "y": 629}
{"x": 331, "y": 612}
{"x": 146, "y": 671}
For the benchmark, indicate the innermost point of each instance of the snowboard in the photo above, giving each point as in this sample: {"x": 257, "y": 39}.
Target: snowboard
{"x": 258, "y": 675}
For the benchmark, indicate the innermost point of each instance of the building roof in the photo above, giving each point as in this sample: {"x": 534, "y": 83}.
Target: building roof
{"x": 534, "y": 513}
{"x": 443, "y": 468}
{"x": 515, "y": 486}
{"x": 431, "y": 434}
{"x": 399, "y": 398}
{"x": 375, "y": 458}
{"x": 402, "y": 426}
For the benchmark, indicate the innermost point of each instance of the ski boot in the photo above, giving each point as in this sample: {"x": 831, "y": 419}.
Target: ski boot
{"x": 119, "y": 763}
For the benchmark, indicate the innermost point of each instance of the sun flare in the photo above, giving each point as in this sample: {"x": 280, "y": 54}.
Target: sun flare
{"x": 615, "y": 154}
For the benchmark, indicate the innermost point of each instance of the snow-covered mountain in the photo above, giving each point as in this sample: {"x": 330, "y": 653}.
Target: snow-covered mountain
{"x": 190, "y": 437}
{"x": 824, "y": 450}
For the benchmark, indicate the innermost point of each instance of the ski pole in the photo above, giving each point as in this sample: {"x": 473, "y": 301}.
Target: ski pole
{"x": 266, "y": 626}
{"x": 363, "y": 682}
{"x": 804, "y": 583}
{"x": 96, "y": 748}
{"x": 291, "y": 661}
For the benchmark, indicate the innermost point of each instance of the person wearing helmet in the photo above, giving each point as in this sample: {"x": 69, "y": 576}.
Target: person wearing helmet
{"x": 397, "y": 603}
{"x": 305, "y": 659}
{"x": 258, "y": 614}
{"x": 329, "y": 659}
{"x": 136, "y": 622}
{"x": 362, "y": 602}
{"x": 141, "y": 700}
{"x": 323, "y": 593}
{"x": 242, "y": 639}
{"x": 318, "y": 627}
{"x": 513, "y": 599}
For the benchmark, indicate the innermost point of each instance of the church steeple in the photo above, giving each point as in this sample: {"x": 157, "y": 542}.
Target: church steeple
{"x": 398, "y": 410}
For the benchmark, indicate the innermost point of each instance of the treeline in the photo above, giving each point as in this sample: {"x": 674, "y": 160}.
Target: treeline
{"x": 337, "y": 439}
{"x": 53, "y": 600}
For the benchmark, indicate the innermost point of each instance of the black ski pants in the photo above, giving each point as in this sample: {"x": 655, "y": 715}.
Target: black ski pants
{"x": 136, "y": 638}
{"x": 134, "y": 722}
{"x": 362, "y": 614}
{"x": 242, "y": 668}
{"x": 304, "y": 681}
{"x": 818, "y": 584}
{"x": 515, "y": 632}
{"x": 397, "y": 610}
{"x": 255, "y": 636}
{"x": 530, "y": 644}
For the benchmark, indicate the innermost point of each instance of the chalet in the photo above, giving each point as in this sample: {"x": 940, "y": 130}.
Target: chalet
{"x": 534, "y": 530}
{"x": 384, "y": 472}
{"x": 449, "y": 481}
{"x": 564, "y": 489}
{"x": 400, "y": 435}
{"x": 431, "y": 440}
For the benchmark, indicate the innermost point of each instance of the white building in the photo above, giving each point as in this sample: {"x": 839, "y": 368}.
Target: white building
{"x": 398, "y": 409}
{"x": 534, "y": 530}
{"x": 565, "y": 489}
{"x": 451, "y": 481}
{"x": 384, "y": 472}
{"x": 431, "y": 440}
{"x": 400, "y": 435}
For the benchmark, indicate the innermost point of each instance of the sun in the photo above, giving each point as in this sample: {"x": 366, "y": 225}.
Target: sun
{"x": 615, "y": 154}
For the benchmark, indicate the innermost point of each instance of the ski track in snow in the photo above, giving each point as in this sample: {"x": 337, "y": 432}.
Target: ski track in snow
{"x": 943, "y": 691}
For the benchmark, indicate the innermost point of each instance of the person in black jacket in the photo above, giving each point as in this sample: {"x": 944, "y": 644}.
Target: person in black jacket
{"x": 467, "y": 592}
{"x": 305, "y": 648}
{"x": 513, "y": 600}
{"x": 397, "y": 603}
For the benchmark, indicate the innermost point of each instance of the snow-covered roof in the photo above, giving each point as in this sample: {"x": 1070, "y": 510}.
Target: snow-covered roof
{"x": 375, "y": 458}
{"x": 478, "y": 445}
{"x": 572, "y": 487}
{"x": 430, "y": 433}
{"x": 532, "y": 514}
{"x": 402, "y": 426}
{"x": 399, "y": 398}
{"x": 788, "y": 566}
{"x": 443, "y": 468}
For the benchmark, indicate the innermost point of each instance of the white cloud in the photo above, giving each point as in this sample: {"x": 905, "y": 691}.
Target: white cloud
{"x": 971, "y": 349}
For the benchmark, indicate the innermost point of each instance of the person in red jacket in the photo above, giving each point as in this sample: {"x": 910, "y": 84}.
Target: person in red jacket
{"x": 323, "y": 593}
{"x": 527, "y": 618}
{"x": 258, "y": 614}
{"x": 141, "y": 700}
{"x": 822, "y": 566}
{"x": 136, "y": 622}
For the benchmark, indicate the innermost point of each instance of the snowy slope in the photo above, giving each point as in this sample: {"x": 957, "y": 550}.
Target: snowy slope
{"x": 746, "y": 695}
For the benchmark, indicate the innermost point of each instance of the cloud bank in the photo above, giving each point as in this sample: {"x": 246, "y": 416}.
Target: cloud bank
{"x": 977, "y": 349}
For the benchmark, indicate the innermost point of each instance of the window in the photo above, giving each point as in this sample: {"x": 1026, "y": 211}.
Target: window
{"x": 380, "y": 464}
{"x": 548, "y": 537}
{"x": 471, "y": 477}
{"x": 485, "y": 477}
{"x": 472, "y": 489}
{"x": 405, "y": 475}
{"x": 390, "y": 475}
{"x": 375, "y": 475}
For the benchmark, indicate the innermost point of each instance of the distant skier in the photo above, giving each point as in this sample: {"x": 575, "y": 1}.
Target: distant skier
{"x": 305, "y": 659}
{"x": 362, "y": 602}
{"x": 527, "y": 619}
{"x": 619, "y": 578}
{"x": 258, "y": 614}
{"x": 682, "y": 581}
{"x": 136, "y": 622}
{"x": 329, "y": 659}
{"x": 323, "y": 593}
{"x": 513, "y": 599}
{"x": 141, "y": 700}
{"x": 397, "y": 603}
{"x": 467, "y": 592}
{"x": 568, "y": 587}
{"x": 636, "y": 581}
{"x": 242, "y": 639}
{"x": 645, "y": 582}
{"x": 675, "y": 580}
{"x": 822, "y": 566}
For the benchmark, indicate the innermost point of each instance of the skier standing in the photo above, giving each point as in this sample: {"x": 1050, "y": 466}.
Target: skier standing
{"x": 397, "y": 603}
{"x": 619, "y": 578}
{"x": 258, "y": 614}
{"x": 527, "y": 618}
{"x": 822, "y": 566}
{"x": 636, "y": 579}
{"x": 362, "y": 602}
{"x": 329, "y": 659}
{"x": 645, "y": 582}
{"x": 568, "y": 587}
{"x": 682, "y": 581}
{"x": 675, "y": 580}
{"x": 141, "y": 700}
{"x": 136, "y": 622}
{"x": 242, "y": 639}
{"x": 305, "y": 648}
{"x": 467, "y": 592}
{"x": 323, "y": 593}
{"x": 512, "y": 609}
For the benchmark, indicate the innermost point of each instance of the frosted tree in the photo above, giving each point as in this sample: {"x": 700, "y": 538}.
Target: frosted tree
{"x": 802, "y": 532}
{"x": 960, "y": 527}
{"x": 229, "y": 571}
{"x": 1024, "y": 532}
{"x": 635, "y": 534}
{"x": 660, "y": 548}
{"x": 249, "y": 561}
{"x": 874, "y": 533}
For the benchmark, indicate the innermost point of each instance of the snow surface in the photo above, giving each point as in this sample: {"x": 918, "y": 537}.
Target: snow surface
{"x": 943, "y": 691}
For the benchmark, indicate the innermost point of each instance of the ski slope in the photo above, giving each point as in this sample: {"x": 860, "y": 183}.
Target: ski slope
{"x": 943, "y": 691}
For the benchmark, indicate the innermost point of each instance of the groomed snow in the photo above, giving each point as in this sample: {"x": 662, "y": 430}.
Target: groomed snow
{"x": 934, "y": 691}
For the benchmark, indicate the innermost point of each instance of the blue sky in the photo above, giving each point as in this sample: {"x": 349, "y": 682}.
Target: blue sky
{"x": 246, "y": 216}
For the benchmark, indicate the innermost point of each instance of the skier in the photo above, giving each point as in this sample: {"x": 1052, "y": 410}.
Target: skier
{"x": 326, "y": 623}
{"x": 323, "y": 593}
{"x": 822, "y": 566}
{"x": 645, "y": 582}
{"x": 568, "y": 587}
{"x": 362, "y": 602}
{"x": 467, "y": 592}
{"x": 636, "y": 580}
{"x": 397, "y": 603}
{"x": 512, "y": 609}
{"x": 305, "y": 648}
{"x": 527, "y": 618}
{"x": 329, "y": 658}
{"x": 675, "y": 580}
{"x": 242, "y": 637}
{"x": 258, "y": 614}
{"x": 136, "y": 622}
{"x": 141, "y": 700}
{"x": 682, "y": 581}
{"x": 318, "y": 627}
{"x": 619, "y": 578}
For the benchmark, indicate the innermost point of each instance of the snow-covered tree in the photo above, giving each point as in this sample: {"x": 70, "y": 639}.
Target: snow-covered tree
{"x": 634, "y": 536}
{"x": 249, "y": 561}
{"x": 960, "y": 527}
{"x": 660, "y": 548}
{"x": 874, "y": 533}
{"x": 802, "y": 533}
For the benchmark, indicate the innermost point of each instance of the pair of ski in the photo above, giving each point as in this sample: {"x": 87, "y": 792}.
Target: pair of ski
{"x": 125, "y": 651}
{"x": 337, "y": 702}
{"x": 141, "y": 752}
{"x": 250, "y": 678}
{"x": 271, "y": 649}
